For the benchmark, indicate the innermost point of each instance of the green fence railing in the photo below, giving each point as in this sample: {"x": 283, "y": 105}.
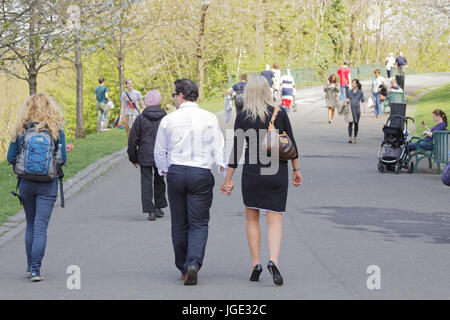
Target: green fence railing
{"x": 311, "y": 76}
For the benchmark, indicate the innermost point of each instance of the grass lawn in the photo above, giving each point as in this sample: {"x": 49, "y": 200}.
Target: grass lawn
{"x": 86, "y": 152}
{"x": 214, "y": 105}
{"x": 435, "y": 99}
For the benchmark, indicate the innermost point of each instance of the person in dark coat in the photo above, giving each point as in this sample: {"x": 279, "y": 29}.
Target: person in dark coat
{"x": 354, "y": 96}
{"x": 141, "y": 145}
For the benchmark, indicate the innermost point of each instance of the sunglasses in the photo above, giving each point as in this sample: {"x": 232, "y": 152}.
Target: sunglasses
{"x": 174, "y": 95}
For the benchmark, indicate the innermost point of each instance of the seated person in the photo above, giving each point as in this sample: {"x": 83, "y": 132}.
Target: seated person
{"x": 395, "y": 87}
{"x": 383, "y": 92}
{"x": 440, "y": 118}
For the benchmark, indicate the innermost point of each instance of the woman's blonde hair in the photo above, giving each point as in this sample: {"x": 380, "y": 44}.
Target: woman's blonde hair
{"x": 40, "y": 109}
{"x": 257, "y": 96}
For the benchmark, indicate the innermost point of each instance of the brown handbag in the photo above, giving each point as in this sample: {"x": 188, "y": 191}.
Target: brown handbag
{"x": 287, "y": 150}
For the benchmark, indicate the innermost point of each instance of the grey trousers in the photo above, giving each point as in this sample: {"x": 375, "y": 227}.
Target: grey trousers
{"x": 152, "y": 184}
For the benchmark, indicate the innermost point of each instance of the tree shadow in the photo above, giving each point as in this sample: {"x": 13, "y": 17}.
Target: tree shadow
{"x": 390, "y": 222}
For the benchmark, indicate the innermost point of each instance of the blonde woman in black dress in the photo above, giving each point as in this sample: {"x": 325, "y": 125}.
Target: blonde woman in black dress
{"x": 261, "y": 192}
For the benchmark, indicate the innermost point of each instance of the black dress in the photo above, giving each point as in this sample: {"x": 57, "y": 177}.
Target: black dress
{"x": 261, "y": 191}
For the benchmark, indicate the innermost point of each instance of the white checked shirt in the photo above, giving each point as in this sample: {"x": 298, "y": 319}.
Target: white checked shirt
{"x": 190, "y": 136}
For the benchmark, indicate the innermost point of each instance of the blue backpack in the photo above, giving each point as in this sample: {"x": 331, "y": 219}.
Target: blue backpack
{"x": 446, "y": 175}
{"x": 37, "y": 159}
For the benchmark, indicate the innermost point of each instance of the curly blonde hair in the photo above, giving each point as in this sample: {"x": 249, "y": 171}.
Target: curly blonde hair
{"x": 40, "y": 109}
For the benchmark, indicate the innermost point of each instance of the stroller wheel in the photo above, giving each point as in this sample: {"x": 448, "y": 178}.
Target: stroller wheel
{"x": 381, "y": 167}
{"x": 397, "y": 168}
{"x": 411, "y": 167}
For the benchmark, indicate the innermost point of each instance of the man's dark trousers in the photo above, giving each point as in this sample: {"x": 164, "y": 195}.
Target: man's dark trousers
{"x": 147, "y": 190}
{"x": 190, "y": 193}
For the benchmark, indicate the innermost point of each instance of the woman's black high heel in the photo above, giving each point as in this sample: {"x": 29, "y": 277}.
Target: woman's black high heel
{"x": 256, "y": 272}
{"x": 276, "y": 275}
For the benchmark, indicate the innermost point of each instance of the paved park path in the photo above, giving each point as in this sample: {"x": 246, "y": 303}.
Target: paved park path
{"x": 345, "y": 218}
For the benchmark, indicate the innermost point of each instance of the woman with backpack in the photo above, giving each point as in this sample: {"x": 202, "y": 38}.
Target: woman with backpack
{"x": 37, "y": 151}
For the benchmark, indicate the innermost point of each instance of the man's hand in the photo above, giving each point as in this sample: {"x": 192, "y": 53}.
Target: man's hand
{"x": 135, "y": 165}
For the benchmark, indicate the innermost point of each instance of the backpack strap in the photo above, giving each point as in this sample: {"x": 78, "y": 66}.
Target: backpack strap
{"x": 61, "y": 192}
{"x": 61, "y": 185}
{"x": 17, "y": 189}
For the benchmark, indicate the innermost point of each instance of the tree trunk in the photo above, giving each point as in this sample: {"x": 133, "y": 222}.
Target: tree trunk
{"x": 201, "y": 50}
{"x": 32, "y": 77}
{"x": 353, "y": 44}
{"x": 259, "y": 36}
{"x": 32, "y": 71}
{"x": 80, "y": 131}
{"x": 121, "y": 64}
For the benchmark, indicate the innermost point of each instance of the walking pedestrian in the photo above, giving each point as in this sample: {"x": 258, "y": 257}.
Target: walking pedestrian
{"x": 188, "y": 142}
{"x": 101, "y": 95}
{"x": 345, "y": 75}
{"x": 270, "y": 77}
{"x": 141, "y": 147}
{"x": 331, "y": 90}
{"x": 237, "y": 92}
{"x": 131, "y": 104}
{"x": 355, "y": 96}
{"x": 262, "y": 192}
{"x": 389, "y": 63}
{"x": 287, "y": 90}
{"x": 401, "y": 63}
{"x": 38, "y": 150}
{"x": 277, "y": 79}
{"x": 377, "y": 82}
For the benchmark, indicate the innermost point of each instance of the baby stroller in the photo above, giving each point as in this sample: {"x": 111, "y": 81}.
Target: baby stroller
{"x": 393, "y": 153}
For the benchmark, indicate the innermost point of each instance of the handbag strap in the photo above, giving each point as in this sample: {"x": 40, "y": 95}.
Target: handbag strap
{"x": 272, "y": 122}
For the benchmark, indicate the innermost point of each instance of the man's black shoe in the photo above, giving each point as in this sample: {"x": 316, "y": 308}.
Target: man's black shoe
{"x": 159, "y": 213}
{"x": 191, "y": 277}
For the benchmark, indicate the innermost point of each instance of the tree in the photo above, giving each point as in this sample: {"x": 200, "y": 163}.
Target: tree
{"x": 38, "y": 40}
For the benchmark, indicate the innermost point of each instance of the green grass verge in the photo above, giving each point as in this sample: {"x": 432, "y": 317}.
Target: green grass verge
{"x": 435, "y": 99}
{"x": 86, "y": 152}
{"x": 213, "y": 105}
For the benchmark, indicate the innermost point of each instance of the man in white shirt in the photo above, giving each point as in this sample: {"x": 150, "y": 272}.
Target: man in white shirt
{"x": 390, "y": 64}
{"x": 188, "y": 143}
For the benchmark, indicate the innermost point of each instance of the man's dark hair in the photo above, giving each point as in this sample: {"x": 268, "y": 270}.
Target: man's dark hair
{"x": 188, "y": 88}
{"x": 101, "y": 80}
{"x": 244, "y": 77}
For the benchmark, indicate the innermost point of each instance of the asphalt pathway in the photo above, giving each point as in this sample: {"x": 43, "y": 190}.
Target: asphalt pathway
{"x": 345, "y": 218}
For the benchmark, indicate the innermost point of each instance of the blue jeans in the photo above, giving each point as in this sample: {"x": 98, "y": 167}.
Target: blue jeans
{"x": 377, "y": 102}
{"x": 422, "y": 144}
{"x": 344, "y": 90}
{"x": 38, "y": 201}
{"x": 190, "y": 193}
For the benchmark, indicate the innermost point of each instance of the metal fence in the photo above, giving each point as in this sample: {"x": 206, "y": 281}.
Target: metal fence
{"x": 311, "y": 76}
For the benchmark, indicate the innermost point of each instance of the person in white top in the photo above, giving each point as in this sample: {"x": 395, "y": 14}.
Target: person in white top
{"x": 377, "y": 81}
{"x": 287, "y": 90}
{"x": 277, "y": 72}
{"x": 390, "y": 64}
{"x": 189, "y": 141}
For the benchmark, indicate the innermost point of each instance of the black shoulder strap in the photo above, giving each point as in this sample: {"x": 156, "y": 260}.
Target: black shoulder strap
{"x": 17, "y": 189}
{"x": 61, "y": 191}
{"x": 132, "y": 102}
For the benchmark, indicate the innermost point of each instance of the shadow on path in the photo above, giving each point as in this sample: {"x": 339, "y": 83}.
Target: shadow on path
{"x": 390, "y": 222}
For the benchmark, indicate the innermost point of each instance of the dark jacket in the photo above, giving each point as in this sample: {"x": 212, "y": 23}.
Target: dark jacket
{"x": 141, "y": 144}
